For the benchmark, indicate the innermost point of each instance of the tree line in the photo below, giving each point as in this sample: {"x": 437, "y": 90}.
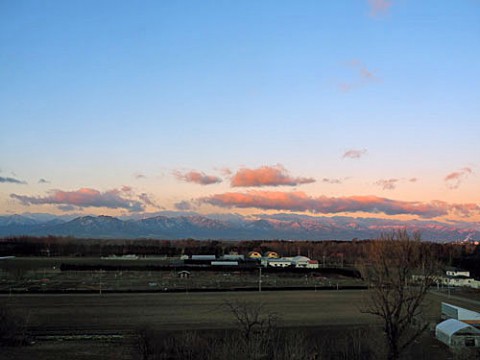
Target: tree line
{"x": 331, "y": 253}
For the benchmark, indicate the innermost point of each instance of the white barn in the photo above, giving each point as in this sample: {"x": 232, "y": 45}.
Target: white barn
{"x": 454, "y": 272}
{"x": 457, "y": 334}
{"x": 300, "y": 261}
{"x": 281, "y": 262}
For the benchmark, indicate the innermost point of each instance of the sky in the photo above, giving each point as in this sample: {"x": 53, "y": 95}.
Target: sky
{"x": 362, "y": 108}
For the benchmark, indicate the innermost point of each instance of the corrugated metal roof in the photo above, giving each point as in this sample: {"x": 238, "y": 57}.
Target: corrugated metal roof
{"x": 464, "y": 314}
{"x": 300, "y": 258}
{"x": 451, "y": 326}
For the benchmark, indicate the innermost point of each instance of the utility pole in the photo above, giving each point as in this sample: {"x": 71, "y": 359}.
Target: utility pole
{"x": 260, "y": 279}
{"x": 100, "y": 288}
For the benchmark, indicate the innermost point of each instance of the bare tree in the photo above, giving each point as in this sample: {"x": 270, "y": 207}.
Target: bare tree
{"x": 252, "y": 318}
{"x": 400, "y": 269}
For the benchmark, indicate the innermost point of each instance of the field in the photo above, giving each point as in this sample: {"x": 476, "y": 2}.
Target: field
{"x": 44, "y": 275}
{"x": 101, "y": 325}
{"x": 122, "y": 314}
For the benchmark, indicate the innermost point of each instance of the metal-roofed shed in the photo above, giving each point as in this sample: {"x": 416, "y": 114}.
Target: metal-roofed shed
{"x": 457, "y": 334}
{"x": 450, "y": 311}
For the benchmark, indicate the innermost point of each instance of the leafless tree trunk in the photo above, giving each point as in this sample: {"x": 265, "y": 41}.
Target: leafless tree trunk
{"x": 399, "y": 270}
{"x": 251, "y": 317}
{"x": 257, "y": 327}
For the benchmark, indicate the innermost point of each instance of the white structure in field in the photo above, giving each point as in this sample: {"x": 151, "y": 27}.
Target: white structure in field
{"x": 456, "y": 278}
{"x": 300, "y": 261}
{"x": 224, "y": 263}
{"x": 450, "y": 311}
{"x": 296, "y": 261}
{"x": 233, "y": 257}
{"x": 204, "y": 257}
{"x": 280, "y": 262}
{"x": 457, "y": 334}
{"x": 455, "y": 272}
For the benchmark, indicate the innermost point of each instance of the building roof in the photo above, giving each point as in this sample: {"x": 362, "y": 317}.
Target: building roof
{"x": 272, "y": 254}
{"x": 451, "y": 326}
{"x": 279, "y": 260}
{"x": 203, "y": 257}
{"x": 462, "y": 313}
{"x": 300, "y": 258}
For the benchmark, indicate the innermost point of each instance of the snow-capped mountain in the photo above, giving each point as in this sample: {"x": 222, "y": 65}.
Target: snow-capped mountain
{"x": 278, "y": 226}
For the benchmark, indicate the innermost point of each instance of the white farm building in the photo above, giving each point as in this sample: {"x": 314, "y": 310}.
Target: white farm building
{"x": 450, "y": 311}
{"x": 457, "y": 334}
{"x": 280, "y": 262}
{"x": 297, "y": 262}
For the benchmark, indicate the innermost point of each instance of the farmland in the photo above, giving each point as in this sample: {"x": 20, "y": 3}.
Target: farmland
{"x": 42, "y": 275}
{"x": 122, "y": 314}
{"x": 97, "y": 308}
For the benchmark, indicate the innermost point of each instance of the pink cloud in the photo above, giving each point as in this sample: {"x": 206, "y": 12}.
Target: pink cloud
{"x": 332, "y": 181}
{"x": 147, "y": 200}
{"x": 363, "y": 71}
{"x": 362, "y": 76}
{"x": 184, "y": 205}
{"x": 197, "y": 177}
{"x": 454, "y": 179}
{"x": 354, "y": 154}
{"x": 267, "y": 176}
{"x": 226, "y": 171}
{"x": 387, "y": 184}
{"x": 299, "y": 201}
{"x": 379, "y": 7}
{"x": 346, "y": 87}
{"x": 86, "y": 197}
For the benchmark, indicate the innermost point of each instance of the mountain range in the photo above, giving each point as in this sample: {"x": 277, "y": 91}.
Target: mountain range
{"x": 229, "y": 227}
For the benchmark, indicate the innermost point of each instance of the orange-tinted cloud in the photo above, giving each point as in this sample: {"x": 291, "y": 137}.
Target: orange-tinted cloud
{"x": 197, "y": 177}
{"x": 379, "y": 7}
{"x": 267, "y": 176}
{"x": 354, "y": 153}
{"x": 387, "y": 184}
{"x": 86, "y": 197}
{"x": 454, "y": 179}
{"x": 299, "y": 201}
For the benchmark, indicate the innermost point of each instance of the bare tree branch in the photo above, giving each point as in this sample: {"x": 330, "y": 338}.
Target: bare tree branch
{"x": 400, "y": 271}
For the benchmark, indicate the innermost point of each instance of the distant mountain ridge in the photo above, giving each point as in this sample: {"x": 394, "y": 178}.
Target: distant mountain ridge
{"x": 262, "y": 227}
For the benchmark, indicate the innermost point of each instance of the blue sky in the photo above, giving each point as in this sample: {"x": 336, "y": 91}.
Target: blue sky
{"x": 111, "y": 94}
